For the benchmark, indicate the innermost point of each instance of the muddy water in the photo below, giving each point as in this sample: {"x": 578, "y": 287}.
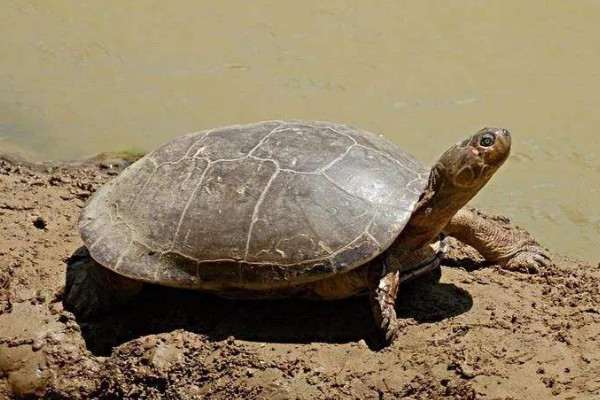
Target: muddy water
{"x": 80, "y": 77}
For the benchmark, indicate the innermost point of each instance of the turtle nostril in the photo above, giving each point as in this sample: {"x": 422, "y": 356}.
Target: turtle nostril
{"x": 505, "y": 132}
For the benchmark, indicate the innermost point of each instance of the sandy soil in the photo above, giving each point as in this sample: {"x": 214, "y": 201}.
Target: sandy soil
{"x": 482, "y": 333}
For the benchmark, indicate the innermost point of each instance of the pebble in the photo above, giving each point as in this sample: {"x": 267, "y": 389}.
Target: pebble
{"x": 37, "y": 345}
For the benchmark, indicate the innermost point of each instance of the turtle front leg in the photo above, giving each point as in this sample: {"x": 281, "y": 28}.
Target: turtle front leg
{"x": 92, "y": 290}
{"x": 382, "y": 294}
{"x": 513, "y": 250}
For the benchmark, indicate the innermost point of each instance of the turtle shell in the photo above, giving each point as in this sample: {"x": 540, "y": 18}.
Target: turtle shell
{"x": 259, "y": 206}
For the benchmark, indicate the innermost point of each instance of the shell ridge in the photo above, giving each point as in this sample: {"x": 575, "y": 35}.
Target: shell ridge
{"x": 187, "y": 204}
{"x": 105, "y": 234}
{"x": 368, "y": 229}
{"x": 291, "y": 171}
{"x": 153, "y": 161}
{"x": 260, "y": 200}
{"x": 343, "y": 134}
{"x": 187, "y": 153}
{"x": 373, "y": 239}
{"x": 122, "y": 255}
{"x": 389, "y": 157}
{"x": 265, "y": 138}
{"x": 137, "y": 197}
{"x": 340, "y": 158}
{"x": 357, "y": 196}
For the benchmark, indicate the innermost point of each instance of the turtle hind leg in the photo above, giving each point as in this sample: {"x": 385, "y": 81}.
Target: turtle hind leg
{"x": 513, "y": 250}
{"x": 92, "y": 290}
{"x": 383, "y": 289}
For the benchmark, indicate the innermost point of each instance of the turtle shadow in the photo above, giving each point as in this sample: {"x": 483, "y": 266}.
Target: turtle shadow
{"x": 159, "y": 309}
{"x": 462, "y": 256}
{"x": 468, "y": 265}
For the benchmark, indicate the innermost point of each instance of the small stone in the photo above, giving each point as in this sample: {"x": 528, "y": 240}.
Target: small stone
{"x": 83, "y": 194}
{"x": 58, "y": 180}
{"x": 148, "y": 344}
{"x": 467, "y": 372}
{"x": 37, "y": 345}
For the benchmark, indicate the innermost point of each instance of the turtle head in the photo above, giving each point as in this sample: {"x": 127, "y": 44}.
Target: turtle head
{"x": 457, "y": 176}
{"x": 472, "y": 162}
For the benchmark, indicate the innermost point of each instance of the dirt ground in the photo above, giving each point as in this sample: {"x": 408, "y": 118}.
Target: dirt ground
{"x": 481, "y": 333}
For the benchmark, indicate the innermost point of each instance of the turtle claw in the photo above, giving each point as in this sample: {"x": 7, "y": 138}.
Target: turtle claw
{"x": 390, "y": 328}
{"x": 383, "y": 299}
{"x": 531, "y": 260}
{"x": 391, "y": 332}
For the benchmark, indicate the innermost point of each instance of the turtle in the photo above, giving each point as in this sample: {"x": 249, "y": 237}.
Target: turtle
{"x": 289, "y": 209}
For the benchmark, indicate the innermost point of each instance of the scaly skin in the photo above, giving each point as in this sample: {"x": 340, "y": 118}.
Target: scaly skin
{"x": 513, "y": 251}
{"x": 383, "y": 302}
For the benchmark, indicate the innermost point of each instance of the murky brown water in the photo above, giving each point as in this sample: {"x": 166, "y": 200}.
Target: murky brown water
{"x": 80, "y": 77}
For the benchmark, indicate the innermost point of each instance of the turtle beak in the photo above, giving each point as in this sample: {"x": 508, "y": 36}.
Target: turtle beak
{"x": 502, "y": 147}
{"x": 504, "y": 136}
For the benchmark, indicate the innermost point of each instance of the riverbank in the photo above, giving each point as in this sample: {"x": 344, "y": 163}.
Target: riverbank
{"x": 482, "y": 333}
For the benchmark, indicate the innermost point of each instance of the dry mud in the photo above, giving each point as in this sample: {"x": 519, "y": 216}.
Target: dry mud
{"x": 481, "y": 333}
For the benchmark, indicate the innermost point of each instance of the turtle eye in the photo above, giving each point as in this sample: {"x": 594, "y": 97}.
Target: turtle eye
{"x": 487, "y": 140}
